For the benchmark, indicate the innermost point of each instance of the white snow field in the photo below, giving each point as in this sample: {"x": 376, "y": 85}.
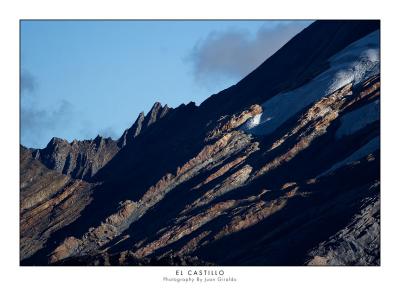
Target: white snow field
{"x": 366, "y": 149}
{"x": 355, "y": 63}
{"x": 252, "y": 122}
{"x": 357, "y": 119}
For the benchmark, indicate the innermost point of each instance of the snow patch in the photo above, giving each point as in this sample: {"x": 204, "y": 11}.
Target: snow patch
{"x": 368, "y": 148}
{"x": 252, "y": 122}
{"x": 358, "y": 119}
{"x": 356, "y": 63}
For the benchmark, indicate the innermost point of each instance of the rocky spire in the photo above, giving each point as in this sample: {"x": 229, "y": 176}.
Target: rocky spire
{"x": 142, "y": 122}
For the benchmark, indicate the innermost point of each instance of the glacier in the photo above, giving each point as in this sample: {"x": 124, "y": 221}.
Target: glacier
{"x": 354, "y": 64}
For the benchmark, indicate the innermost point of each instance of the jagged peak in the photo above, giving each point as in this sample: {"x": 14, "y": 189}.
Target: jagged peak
{"x": 191, "y": 104}
{"x": 156, "y": 106}
{"x": 156, "y": 112}
{"x": 133, "y": 131}
{"x": 59, "y": 142}
{"x": 98, "y": 137}
{"x": 140, "y": 116}
{"x": 56, "y": 141}
{"x": 99, "y": 140}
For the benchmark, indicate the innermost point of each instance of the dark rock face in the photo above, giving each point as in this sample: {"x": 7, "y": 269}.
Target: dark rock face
{"x": 143, "y": 122}
{"x": 356, "y": 244}
{"x": 83, "y": 159}
{"x": 78, "y": 159}
{"x": 49, "y": 202}
{"x": 194, "y": 186}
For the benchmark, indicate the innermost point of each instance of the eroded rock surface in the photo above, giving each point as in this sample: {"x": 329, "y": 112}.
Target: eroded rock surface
{"x": 357, "y": 244}
{"x": 49, "y": 202}
{"x": 78, "y": 159}
{"x": 143, "y": 122}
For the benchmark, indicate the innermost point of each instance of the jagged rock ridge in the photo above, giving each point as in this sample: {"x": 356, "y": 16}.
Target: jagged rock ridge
{"x": 83, "y": 159}
{"x": 143, "y": 122}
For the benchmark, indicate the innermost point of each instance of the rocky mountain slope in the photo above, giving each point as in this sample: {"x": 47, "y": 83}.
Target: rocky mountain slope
{"x": 49, "y": 201}
{"x": 282, "y": 168}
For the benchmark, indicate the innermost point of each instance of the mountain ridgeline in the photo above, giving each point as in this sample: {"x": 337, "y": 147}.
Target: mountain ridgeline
{"x": 282, "y": 168}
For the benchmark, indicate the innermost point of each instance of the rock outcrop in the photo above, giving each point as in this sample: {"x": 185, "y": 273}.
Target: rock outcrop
{"x": 49, "y": 202}
{"x": 358, "y": 243}
{"x": 83, "y": 159}
{"x": 78, "y": 159}
{"x": 143, "y": 122}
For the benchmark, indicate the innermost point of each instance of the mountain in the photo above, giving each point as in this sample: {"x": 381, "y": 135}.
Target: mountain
{"x": 282, "y": 168}
{"x": 83, "y": 159}
{"x": 78, "y": 159}
{"x": 49, "y": 201}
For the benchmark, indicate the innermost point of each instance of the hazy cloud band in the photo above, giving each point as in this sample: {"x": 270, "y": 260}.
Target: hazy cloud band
{"x": 234, "y": 54}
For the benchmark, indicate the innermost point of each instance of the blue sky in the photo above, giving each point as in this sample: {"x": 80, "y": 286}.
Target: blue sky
{"x": 83, "y": 78}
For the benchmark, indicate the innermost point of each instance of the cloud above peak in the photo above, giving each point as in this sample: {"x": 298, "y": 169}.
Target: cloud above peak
{"x": 38, "y": 126}
{"x": 235, "y": 53}
{"x": 41, "y": 120}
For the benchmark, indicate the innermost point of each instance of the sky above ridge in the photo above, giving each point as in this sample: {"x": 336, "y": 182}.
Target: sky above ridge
{"x": 84, "y": 78}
